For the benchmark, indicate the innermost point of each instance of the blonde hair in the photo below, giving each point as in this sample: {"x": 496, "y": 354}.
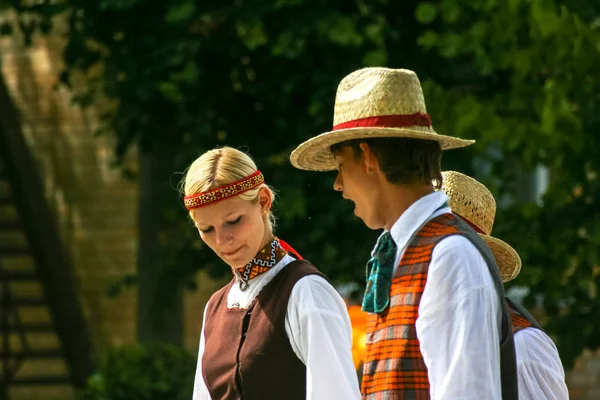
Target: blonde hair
{"x": 221, "y": 166}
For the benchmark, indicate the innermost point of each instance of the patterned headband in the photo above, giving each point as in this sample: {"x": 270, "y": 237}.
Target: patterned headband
{"x": 224, "y": 192}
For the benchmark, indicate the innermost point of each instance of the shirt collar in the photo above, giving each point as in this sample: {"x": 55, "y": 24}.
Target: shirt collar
{"x": 416, "y": 215}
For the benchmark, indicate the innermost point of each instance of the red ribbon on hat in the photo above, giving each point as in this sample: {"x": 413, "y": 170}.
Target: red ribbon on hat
{"x": 387, "y": 121}
{"x": 472, "y": 225}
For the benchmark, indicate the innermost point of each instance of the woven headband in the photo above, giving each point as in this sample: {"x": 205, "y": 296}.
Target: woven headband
{"x": 224, "y": 192}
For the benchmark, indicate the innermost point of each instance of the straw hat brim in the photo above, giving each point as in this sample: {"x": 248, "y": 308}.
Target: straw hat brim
{"x": 314, "y": 154}
{"x": 507, "y": 258}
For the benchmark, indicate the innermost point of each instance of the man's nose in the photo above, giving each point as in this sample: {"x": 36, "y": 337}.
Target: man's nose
{"x": 338, "y": 184}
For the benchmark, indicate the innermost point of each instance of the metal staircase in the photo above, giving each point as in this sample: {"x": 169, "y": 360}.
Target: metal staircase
{"x": 29, "y": 344}
{"x": 44, "y": 339}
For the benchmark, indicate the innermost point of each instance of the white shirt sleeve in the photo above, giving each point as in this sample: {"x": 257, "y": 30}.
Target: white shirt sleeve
{"x": 318, "y": 326}
{"x": 200, "y": 389}
{"x": 539, "y": 369}
{"x": 459, "y": 324}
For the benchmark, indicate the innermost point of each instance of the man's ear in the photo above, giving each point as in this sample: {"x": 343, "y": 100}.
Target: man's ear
{"x": 369, "y": 159}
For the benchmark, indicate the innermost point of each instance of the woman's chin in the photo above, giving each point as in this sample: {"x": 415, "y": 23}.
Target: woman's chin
{"x": 236, "y": 262}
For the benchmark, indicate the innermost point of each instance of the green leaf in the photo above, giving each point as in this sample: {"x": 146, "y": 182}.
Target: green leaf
{"x": 547, "y": 22}
{"x": 522, "y": 60}
{"x": 117, "y": 5}
{"x": 179, "y": 12}
{"x": 376, "y": 58}
{"x": 288, "y": 45}
{"x": 426, "y": 13}
{"x": 451, "y": 45}
{"x": 428, "y": 40}
{"x": 375, "y": 33}
{"x": 341, "y": 30}
{"x": 188, "y": 74}
{"x": 252, "y": 33}
{"x": 171, "y": 92}
{"x": 150, "y": 371}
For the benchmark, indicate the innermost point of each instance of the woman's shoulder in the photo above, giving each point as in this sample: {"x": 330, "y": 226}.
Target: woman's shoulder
{"x": 314, "y": 294}
{"x": 295, "y": 270}
{"x": 312, "y": 284}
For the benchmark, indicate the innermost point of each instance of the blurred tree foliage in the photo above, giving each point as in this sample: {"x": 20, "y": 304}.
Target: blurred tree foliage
{"x": 520, "y": 76}
{"x": 143, "y": 372}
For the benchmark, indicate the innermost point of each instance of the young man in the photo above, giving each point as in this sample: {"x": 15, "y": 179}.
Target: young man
{"x": 539, "y": 369}
{"x": 439, "y": 326}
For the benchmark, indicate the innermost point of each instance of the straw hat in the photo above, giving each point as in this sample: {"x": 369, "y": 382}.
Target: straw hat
{"x": 475, "y": 204}
{"x": 370, "y": 103}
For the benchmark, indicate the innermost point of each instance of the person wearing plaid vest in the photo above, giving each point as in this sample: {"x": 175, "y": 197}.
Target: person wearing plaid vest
{"x": 439, "y": 325}
{"x": 539, "y": 369}
{"x": 394, "y": 366}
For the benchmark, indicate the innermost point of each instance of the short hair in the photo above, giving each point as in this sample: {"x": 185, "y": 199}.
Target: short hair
{"x": 402, "y": 160}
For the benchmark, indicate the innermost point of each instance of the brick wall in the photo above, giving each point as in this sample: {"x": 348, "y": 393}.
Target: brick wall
{"x": 96, "y": 207}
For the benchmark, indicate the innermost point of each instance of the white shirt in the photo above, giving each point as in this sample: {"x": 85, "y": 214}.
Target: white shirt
{"x": 318, "y": 326}
{"x": 540, "y": 371}
{"x": 459, "y": 315}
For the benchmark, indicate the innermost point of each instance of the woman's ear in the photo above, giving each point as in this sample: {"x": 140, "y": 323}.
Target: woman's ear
{"x": 265, "y": 200}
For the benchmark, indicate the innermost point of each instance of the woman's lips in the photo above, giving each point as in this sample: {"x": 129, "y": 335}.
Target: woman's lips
{"x": 232, "y": 253}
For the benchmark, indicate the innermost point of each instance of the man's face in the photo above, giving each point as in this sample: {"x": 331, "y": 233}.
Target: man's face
{"x": 358, "y": 184}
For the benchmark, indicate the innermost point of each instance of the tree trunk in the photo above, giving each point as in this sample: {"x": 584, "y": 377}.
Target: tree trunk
{"x": 160, "y": 308}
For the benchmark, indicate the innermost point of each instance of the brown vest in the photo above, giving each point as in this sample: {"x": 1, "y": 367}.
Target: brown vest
{"x": 248, "y": 354}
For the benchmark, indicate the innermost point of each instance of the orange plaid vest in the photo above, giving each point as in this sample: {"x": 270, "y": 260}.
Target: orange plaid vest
{"x": 520, "y": 318}
{"x": 393, "y": 365}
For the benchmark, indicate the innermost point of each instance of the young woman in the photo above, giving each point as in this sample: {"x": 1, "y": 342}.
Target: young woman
{"x": 278, "y": 330}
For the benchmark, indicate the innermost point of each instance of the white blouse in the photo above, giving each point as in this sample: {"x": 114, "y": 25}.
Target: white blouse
{"x": 540, "y": 371}
{"x": 319, "y": 330}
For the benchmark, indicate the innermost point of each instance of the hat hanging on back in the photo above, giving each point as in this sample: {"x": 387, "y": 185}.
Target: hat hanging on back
{"x": 373, "y": 103}
{"x": 475, "y": 204}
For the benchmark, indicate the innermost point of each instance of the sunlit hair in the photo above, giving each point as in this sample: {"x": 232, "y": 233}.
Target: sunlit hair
{"x": 221, "y": 166}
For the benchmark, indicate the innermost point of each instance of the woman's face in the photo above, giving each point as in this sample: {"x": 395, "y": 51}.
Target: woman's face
{"x": 235, "y": 229}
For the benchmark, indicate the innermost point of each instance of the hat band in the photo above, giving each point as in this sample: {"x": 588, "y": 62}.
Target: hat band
{"x": 387, "y": 121}
{"x": 224, "y": 192}
{"x": 472, "y": 225}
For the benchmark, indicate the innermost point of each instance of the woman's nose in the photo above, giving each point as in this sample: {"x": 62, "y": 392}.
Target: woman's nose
{"x": 223, "y": 237}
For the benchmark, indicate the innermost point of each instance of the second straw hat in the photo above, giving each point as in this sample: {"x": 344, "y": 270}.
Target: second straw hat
{"x": 474, "y": 203}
